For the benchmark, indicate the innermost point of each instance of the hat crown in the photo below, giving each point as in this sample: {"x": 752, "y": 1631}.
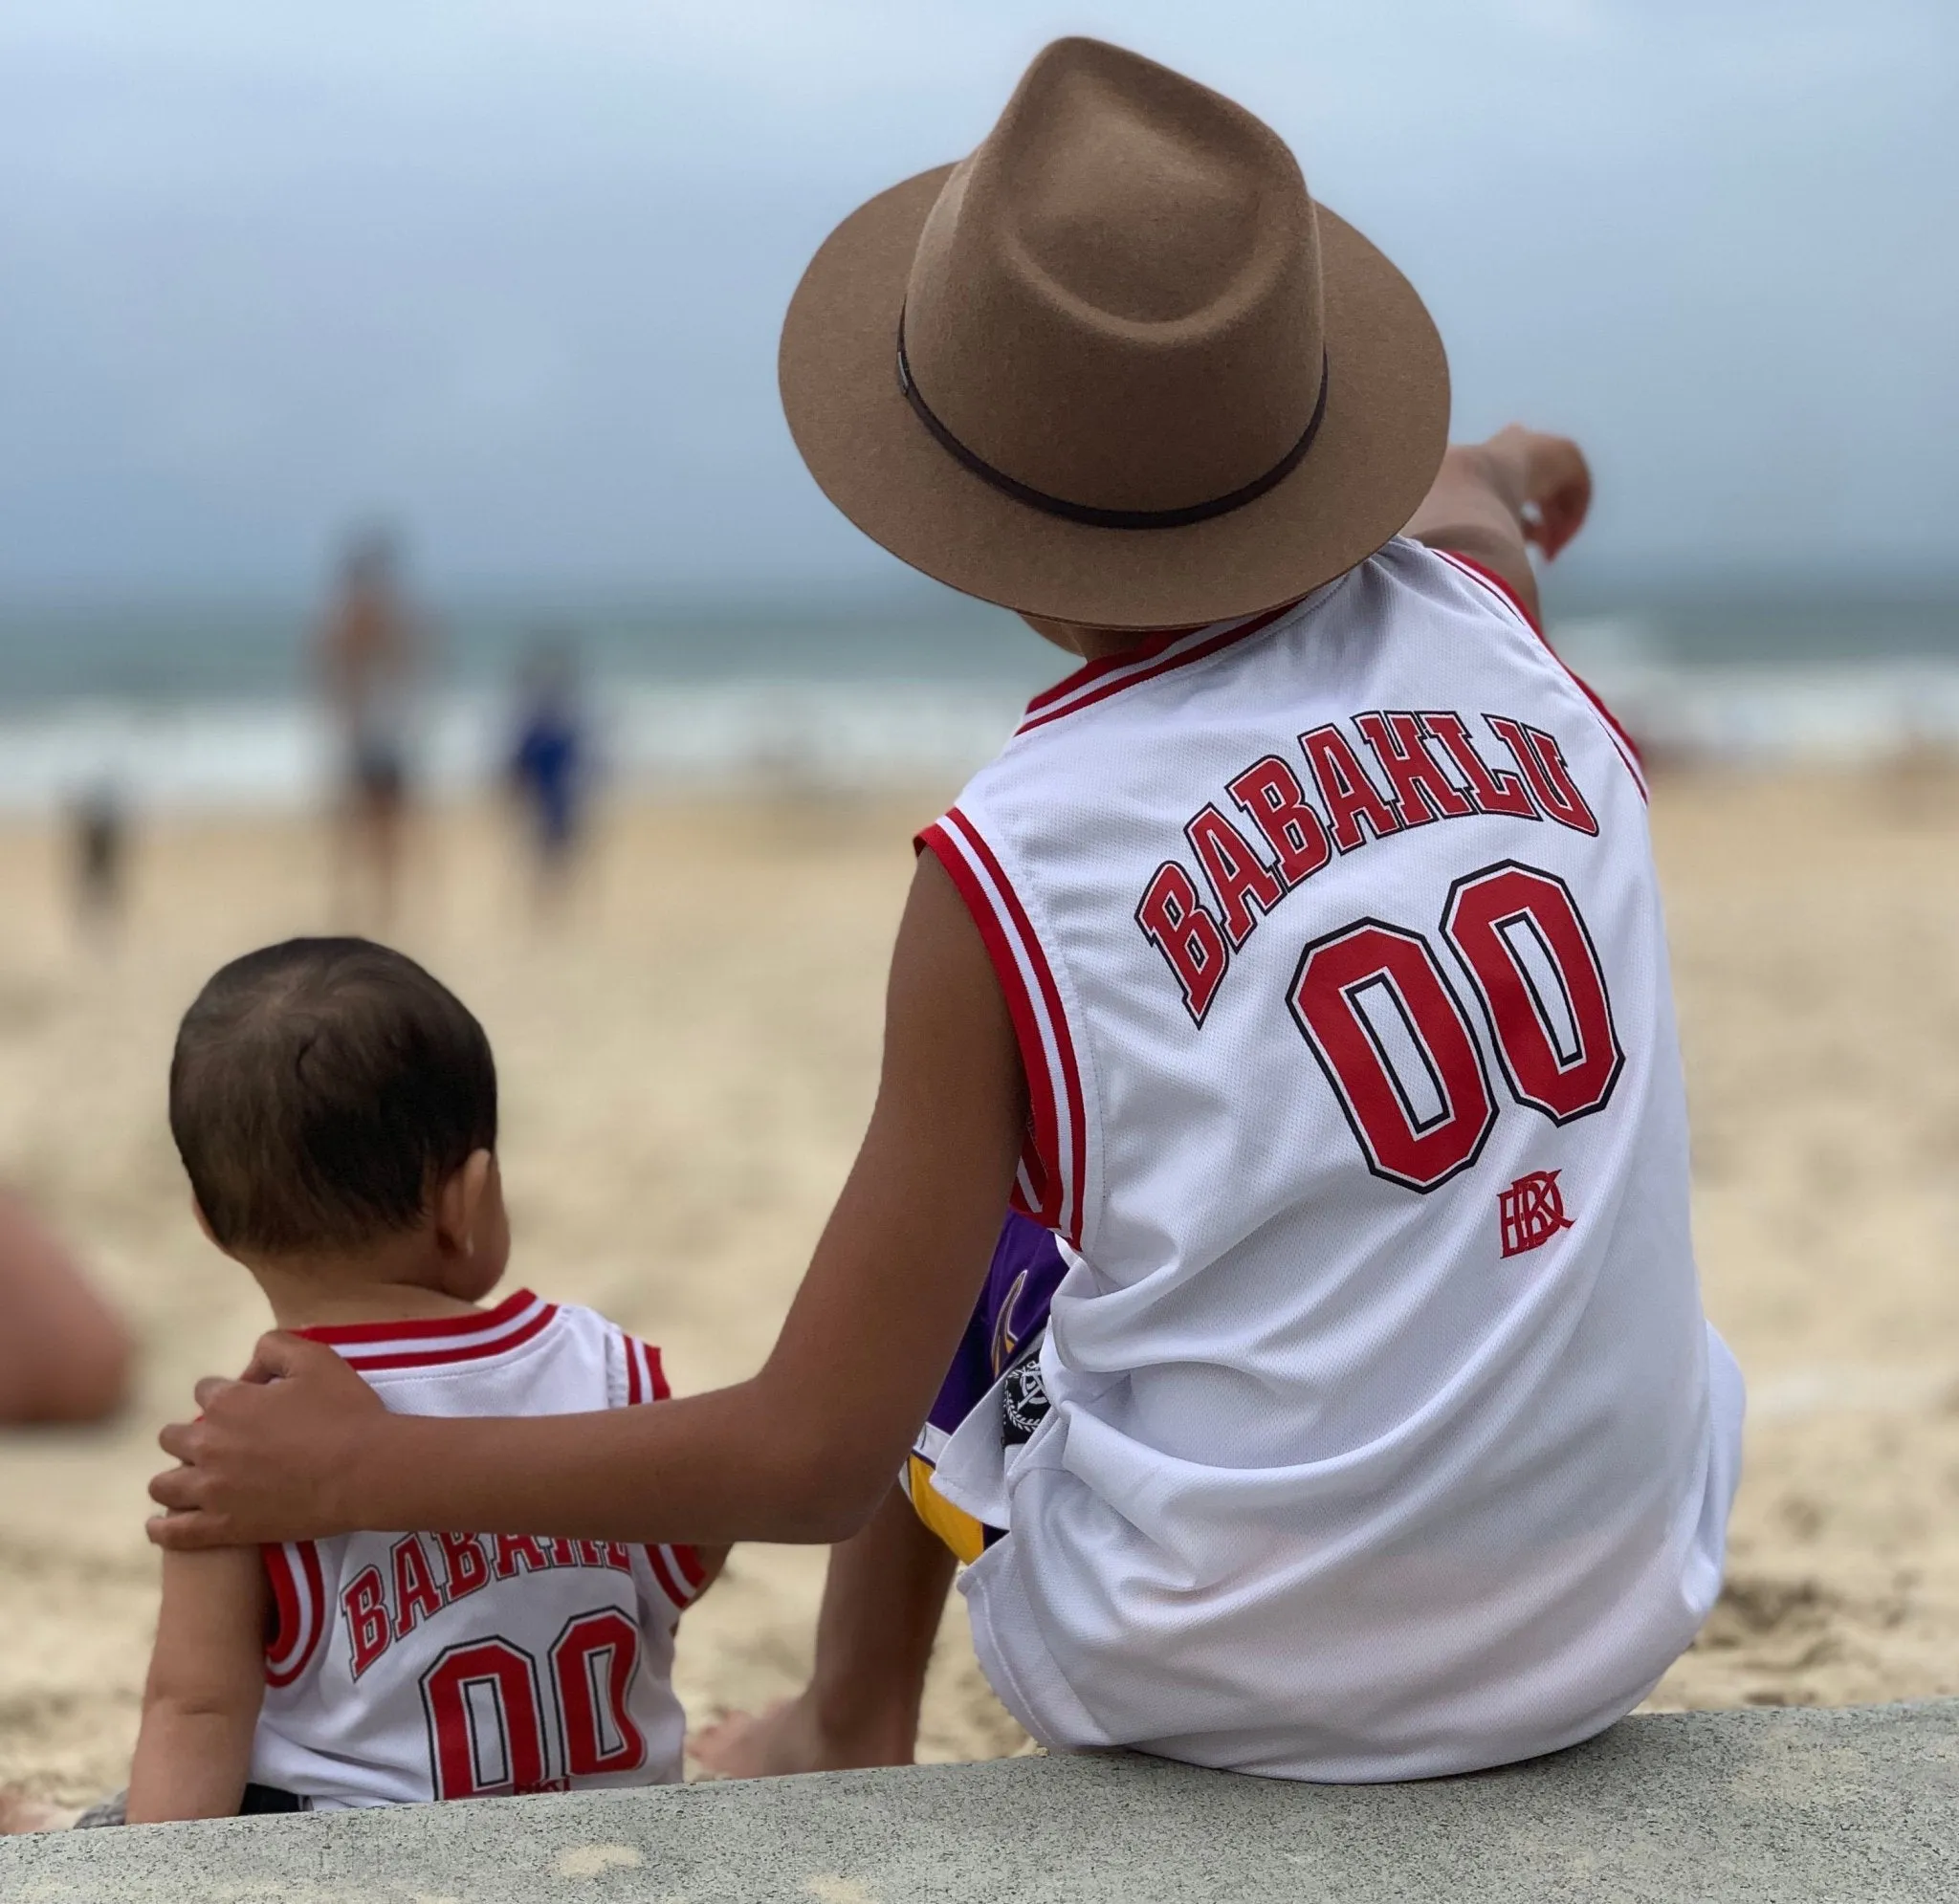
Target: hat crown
{"x": 1116, "y": 300}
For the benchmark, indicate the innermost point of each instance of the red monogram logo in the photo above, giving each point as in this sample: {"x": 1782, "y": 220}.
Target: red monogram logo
{"x": 1531, "y": 1212}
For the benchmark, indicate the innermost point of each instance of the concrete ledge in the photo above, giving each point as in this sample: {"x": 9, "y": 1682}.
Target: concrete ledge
{"x": 1789, "y": 1805}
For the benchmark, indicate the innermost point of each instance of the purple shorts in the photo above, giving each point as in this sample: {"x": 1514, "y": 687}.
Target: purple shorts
{"x": 1003, "y": 1339}
{"x": 1007, "y": 1323}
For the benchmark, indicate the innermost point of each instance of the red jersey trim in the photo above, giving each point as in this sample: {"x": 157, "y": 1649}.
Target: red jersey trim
{"x": 1159, "y": 654}
{"x": 1495, "y": 584}
{"x": 645, "y": 1381}
{"x": 677, "y": 1569}
{"x": 1051, "y": 1182}
{"x": 442, "y": 1339}
{"x": 1489, "y": 578}
{"x": 1091, "y": 671}
{"x": 678, "y": 1572}
{"x": 298, "y": 1595}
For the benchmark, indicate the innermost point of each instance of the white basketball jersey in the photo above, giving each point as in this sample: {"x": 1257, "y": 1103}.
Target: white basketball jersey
{"x": 410, "y": 1666}
{"x": 1387, "y": 1437}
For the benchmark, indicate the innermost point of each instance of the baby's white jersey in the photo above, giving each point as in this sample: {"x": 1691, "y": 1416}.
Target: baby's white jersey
{"x": 410, "y": 1667}
{"x": 1387, "y": 1436}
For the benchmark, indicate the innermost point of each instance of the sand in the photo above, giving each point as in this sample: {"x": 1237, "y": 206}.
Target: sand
{"x": 687, "y": 1056}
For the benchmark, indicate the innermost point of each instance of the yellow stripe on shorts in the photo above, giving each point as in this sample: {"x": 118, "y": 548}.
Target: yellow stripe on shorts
{"x": 965, "y": 1536}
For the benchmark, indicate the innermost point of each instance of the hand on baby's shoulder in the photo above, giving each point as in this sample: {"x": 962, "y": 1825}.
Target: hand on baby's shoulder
{"x": 270, "y": 1454}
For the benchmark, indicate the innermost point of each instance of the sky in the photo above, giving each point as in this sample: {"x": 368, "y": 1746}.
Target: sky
{"x": 512, "y": 271}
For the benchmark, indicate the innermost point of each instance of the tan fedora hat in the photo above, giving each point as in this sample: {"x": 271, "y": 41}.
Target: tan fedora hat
{"x": 1117, "y": 367}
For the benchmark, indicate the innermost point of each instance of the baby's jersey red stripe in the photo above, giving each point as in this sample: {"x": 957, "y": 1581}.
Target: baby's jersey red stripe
{"x": 676, "y": 1594}
{"x": 471, "y": 1351}
{"x": 300, "y": 1614}
{"x": 691, "y": 1570}
{"x": 507, "y": 1311}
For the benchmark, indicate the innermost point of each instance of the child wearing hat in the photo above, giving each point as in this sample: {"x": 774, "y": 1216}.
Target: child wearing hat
{"x": 1338, "y": 1403}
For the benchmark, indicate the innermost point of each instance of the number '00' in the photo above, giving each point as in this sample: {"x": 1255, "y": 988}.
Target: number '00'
{"x": 486, "y": 1720}
{"x": 1399, "y": 1049}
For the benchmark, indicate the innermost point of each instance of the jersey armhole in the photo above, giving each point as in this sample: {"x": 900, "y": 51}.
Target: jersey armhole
{"x": 298, "y": 1610}
{"x": 1050, "y": 1183}
{"x": 1491, "y": 579}
{"x": 677, "y": 1568}
{"x": 1495, "y": 584}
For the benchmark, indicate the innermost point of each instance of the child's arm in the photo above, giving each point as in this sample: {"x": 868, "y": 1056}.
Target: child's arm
{"x": 1491, "y": 500}
{"x": 803, "y": 1450}
{"x": 881, "y": 1603}
{"x": 207, "y": 1680}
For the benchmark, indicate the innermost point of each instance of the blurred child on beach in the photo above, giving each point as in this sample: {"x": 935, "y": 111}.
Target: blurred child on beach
{"x": 335, "y": 1107}
{"x": 551, "y": 762}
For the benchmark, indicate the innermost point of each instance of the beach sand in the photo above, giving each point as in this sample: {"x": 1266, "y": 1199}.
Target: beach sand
{"x": 688, "y": 1057}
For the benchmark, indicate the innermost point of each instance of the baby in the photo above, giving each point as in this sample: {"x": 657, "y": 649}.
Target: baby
{"x": 336, "y": 1111}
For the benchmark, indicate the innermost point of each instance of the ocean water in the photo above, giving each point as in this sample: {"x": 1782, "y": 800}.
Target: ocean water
{"x": 181, "y": 705}
{"x": 177, "y": 704}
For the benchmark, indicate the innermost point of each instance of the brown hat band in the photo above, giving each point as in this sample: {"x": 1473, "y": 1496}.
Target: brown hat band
{"x": 1111, "y": 518}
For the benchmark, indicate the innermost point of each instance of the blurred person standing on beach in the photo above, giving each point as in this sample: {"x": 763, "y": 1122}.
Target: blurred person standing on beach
{"x": 369, "y": 653}
{"x": 550, "y": 761}
{"x": 101, "y": 835}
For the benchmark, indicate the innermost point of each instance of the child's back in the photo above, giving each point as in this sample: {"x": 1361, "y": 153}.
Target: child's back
{"x": 1381, "y": 1440}
{"x": 429, "y": 1666}
{"x": 336, "y": 1111}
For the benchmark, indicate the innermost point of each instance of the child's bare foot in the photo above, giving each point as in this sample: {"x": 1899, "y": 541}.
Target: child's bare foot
{"x": 787, "y": 1737}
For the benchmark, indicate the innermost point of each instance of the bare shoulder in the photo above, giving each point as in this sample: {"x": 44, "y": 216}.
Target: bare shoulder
{"x": 949, "y": 1039}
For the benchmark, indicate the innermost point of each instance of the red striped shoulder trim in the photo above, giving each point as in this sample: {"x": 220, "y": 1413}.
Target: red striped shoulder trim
{"x": 298, "y": 1598}
{"x": 1051, "y": 1184}
{"x": 1159, "y": 654}
{"x": 677, "y": 1569}
{"x": 679, "y": 1573}
{"x": 645, "y": 1381}
{"x": 1495, "y": 584}
{"x": 442, "y": 1339}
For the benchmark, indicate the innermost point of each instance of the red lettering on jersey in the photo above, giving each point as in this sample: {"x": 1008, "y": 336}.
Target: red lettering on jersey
{"x": 618, "y": 1556}
{"x": 1494, "y": 790}
{"x": 467, "y": 1569}
{"x": 519, "y": 1553}
{"x": 600, "y": 1649}
{"x": 493, "y": 1743}
{"x": 1237, "y": 876}
{"x": 1423, "y": 791}
{"x": 1531, "y": 1212}
{"x": 1270, "y": 791}
{"x": 364, "y": 1604}
{"x": 416, "y": 1595}
{"x": 1347, "y": 793}
{"x": 590, "y": 1554}
{"x": 1544, "y": 767}
{"x": 1174, "y": 921}
{"x": 563, "y": 1553}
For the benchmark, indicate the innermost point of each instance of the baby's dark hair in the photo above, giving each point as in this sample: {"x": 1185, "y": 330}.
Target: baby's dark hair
{"x": 321, "y": 1090}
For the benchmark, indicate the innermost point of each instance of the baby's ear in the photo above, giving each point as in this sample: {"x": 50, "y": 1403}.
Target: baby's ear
{"x": 460, "y": 1203}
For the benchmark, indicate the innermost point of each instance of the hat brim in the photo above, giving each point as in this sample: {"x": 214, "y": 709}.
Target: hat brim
{"x": 1376, "y": 453}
